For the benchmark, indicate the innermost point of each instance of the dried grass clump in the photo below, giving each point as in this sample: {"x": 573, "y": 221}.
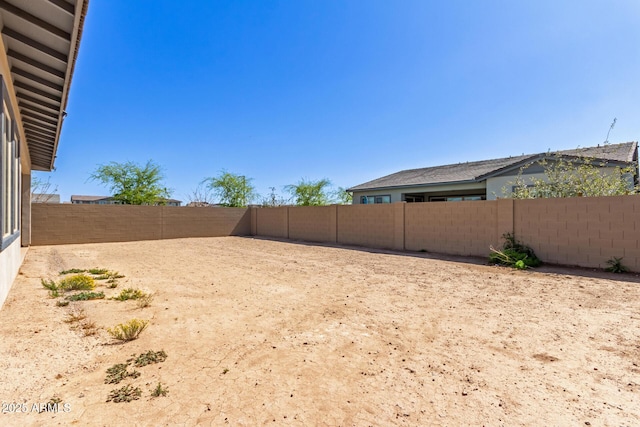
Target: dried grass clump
{"x": 145, "y": 301}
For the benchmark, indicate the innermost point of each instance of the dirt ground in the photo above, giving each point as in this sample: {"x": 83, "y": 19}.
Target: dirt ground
{"x": 269, "y": 332}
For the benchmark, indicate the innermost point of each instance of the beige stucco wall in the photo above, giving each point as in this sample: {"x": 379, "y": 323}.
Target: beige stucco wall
{"x": 396, "y": 194}
{"x": 10, "y": 259}
{"x": 495, "y": 185}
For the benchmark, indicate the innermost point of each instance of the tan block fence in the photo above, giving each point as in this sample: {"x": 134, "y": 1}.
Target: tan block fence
{"x": 574, "y": 231}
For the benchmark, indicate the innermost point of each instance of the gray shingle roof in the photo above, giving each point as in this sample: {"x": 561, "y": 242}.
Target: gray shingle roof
{"x": 480, "y": 170}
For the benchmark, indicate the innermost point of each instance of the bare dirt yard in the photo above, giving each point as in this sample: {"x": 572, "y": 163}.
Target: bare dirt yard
{"x": 269, "y": 332}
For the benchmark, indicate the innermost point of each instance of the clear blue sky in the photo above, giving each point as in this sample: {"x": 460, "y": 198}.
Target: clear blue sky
{"x": 350, "y": 90}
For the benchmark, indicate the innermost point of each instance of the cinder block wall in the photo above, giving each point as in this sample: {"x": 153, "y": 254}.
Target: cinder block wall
{"x": 581, "y": 231}
{"x": 272, "y": 222}
{"x": 64, "y": 224}
{"x": 368, "y": 225}
{"x": 576, "y": 231}
{"x": 461, "y": 228}
{"x": 313, "y": 223}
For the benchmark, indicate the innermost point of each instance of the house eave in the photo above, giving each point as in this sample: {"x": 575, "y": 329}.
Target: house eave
{"x": 42, "y": 39}
{"x": 398, "y": 187}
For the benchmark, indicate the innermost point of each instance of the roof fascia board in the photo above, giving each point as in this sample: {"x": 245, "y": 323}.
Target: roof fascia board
{"x": 78, "y": 22}
{"x": 398, "y": 187}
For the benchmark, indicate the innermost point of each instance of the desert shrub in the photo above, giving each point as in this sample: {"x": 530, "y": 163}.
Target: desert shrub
{"x": 124, "y": 394}
{"x": 119, "y": 372}
{"x": 49, "y": 284}
{"x": 85, "y": 296}
{"x": 78, "y": 282}
{"x": 514, "y": 254}
{"x": 145, "y": 301}
{"x": 98, "y": 271}
{"x": 129, "y": 293}
{"x": 54, "y": 291}
{"x": 62, "y": 303}
{"x": 616, "y": 266}
{"x": 159, "y": 391}
{"x": 129, "y": 330}
{"x": 149, "y": 358}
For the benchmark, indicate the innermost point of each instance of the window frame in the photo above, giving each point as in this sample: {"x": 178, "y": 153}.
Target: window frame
{"x": 10, "y": 172}
{"x": 364, "y": 200}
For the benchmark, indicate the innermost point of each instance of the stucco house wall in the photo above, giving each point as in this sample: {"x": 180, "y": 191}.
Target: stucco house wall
{"x": 397, "y": 194}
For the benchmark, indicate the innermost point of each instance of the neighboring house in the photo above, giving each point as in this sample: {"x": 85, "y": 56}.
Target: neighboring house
{"x": 39, "y": 41}
{"x": 203, "y": 205}
{"x": 483, "y": 180}
{"x": 108, "y": 200}
{"x": 45, "y": 198}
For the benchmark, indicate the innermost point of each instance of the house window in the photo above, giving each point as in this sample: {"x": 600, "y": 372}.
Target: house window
{"x": 414, "y": 199}
{"x": 9, "y": 175}
{"x": 456, "y": 198}
{"x": 370, "y": 200}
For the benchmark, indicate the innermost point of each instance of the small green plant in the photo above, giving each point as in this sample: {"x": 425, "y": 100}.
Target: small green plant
{"x": 514, "y": 254}
{"x": 98, "y": 271}
{"x": 85, "y": 296}
{"x": 49, "y": 284}
{"x": 128, "y": 331}
{"x": 112, "y": 285}
{"x": 73, "y": 270}
{"x": 148, "y": 358}
{"x": 144, "y": 301}
{"x": 159, "y": 391}
{"x": 124, "y": 394}
{"x": 54, "y": 291}
{"x": 119, "y": 372}
{"x": 78, "y": 282}
{"x": 109, "y": 275}
{"x": 616, "y": 266}
{"x": 62, "y": 303}
{"x": 129, "y": 293}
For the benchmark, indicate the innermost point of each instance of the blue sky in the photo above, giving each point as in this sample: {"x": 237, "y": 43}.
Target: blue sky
{"x": 348, "y": 90}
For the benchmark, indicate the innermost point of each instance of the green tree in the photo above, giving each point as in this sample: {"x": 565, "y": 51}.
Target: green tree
{"x": 233, "y": 190}
{"x": 573, "y": 177}
{"x": 343, "y": 196}
{"x": 310, "y": 193}
{"x": 133, "y": 184}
